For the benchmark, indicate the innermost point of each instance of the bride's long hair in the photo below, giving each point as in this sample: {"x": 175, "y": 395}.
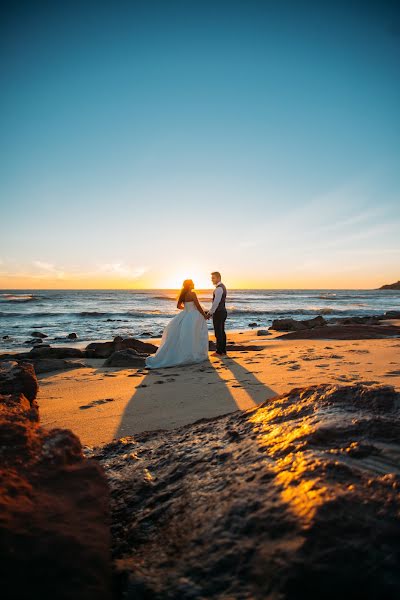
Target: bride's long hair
{"x": 187, "y": 286}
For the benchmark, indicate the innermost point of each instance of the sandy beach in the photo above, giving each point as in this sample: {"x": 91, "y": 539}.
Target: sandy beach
{"x": 100, "y": 404}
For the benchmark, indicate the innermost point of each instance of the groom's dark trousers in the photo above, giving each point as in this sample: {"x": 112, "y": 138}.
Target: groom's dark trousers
{"x": 219, "y": 318}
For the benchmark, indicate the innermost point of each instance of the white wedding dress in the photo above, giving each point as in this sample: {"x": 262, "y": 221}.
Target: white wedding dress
{"x": 184, "y": 340}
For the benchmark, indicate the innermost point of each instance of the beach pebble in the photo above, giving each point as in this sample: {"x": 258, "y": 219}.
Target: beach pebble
{"x": 263, "y": 332}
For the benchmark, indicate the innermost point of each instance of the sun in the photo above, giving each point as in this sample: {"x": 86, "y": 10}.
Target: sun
{"x": 201, "y": 279}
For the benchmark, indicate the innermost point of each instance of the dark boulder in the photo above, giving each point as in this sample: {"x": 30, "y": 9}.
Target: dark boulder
{"x": 46, "y": 365}
{"x": 138, "y": 345}
{"x": 128, "y": 358}
{"x": 56, "y": 352}
{"x": 105, "y": 349}
{"x": 72, "y": 336}
{"x": 262, "y": 332}
{"x": 38, "y": 334}
{"x": 100, "y": 349}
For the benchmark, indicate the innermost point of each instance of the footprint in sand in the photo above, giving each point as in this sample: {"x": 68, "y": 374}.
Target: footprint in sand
{"x": 392, "y": 374}
{"x": 96, "y": 403}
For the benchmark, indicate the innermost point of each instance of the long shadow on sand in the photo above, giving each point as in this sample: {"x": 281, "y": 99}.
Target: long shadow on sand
{"x": 177, "y": 396}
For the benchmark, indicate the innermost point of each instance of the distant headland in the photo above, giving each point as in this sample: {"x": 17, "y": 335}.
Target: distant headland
{"x": 391, "y": 286}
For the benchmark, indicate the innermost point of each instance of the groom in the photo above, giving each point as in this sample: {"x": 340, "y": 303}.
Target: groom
{"x": 218, "y": 313}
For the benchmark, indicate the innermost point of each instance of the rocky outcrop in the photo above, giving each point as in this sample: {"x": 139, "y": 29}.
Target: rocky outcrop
{"x": 106, "y": 349}
{"x": 294, "y": 325}
{"x": 345, "y": 332}
{"x": 126, "y": 358}
{"x": 391, "y": 286}
{"x": 54, "y": 534}
{"x": 368, "y": 320}
{"x": 296, "y": 499}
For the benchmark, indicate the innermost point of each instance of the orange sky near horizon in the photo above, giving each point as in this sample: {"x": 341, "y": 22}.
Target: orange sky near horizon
{"x": 202, "y": 281}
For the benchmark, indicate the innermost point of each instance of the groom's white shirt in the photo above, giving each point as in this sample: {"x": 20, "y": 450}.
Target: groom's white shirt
{"x": 217, "y": 298}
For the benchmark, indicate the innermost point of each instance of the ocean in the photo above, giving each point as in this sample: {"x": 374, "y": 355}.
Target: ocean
{"x": 103, "y": 314}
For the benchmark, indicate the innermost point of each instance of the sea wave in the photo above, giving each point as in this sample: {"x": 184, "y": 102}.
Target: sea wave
{"x": 91, "y": 314}
{"x": 18, "y": 297}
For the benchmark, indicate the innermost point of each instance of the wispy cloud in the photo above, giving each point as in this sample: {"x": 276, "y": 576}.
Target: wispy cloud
{"x": 43, "y": 270}
{"x": 123, "y": 270}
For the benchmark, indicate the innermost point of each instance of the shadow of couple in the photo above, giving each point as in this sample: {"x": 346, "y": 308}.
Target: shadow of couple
{"x": 176, "y": 396}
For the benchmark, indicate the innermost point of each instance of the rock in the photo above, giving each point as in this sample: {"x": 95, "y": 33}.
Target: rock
{"x": 34, "y": 342}
{"x": 253, "y": 324}
{"x": 263, "y": 332}
{"x": 105, "y": 349}
{"x": 392, "y": 314}
{"x": 18, "y": 378}
{"x": 38, "y": 334}
{"x": 298, "y": 498}
{"x": 117, "y": 338}
{"x": 72, "y": 336}
{"x": 391, "y": 286}
{"x": 144, "y": 347}
{"x": 53, "y": 503}
{"x": 371, "y": 320}
{"x": 126, "y": 358}
{"x": 6, "y": 337}
{"x": 293, "y": 325}
{"x": 46, "y": 365}
{"x": 56, "y": 352}
{"x": 100, "y": 349}
{"x": 17, "y": 356}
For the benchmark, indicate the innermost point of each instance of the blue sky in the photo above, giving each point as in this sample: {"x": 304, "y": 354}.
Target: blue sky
{"x": 142, "y": 142}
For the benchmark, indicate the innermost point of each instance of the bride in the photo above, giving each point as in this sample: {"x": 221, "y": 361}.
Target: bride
{"x": 185, "y": 339}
